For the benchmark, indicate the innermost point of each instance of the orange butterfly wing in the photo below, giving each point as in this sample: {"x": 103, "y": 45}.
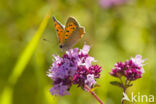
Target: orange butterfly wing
{"x": 70, "y": 27}
{"x": 72, "y": 34}
{"x": 60, "y": 30}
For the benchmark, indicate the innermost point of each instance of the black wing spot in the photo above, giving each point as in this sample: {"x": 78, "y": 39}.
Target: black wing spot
{"x": 57, "y": 30}
{"x": 72, "y": 28}
{"x": 67, "y": 31}
{"x": 66, "y": 35}
{"x": 61, "y": 46}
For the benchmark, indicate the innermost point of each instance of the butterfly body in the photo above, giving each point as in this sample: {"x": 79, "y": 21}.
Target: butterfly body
{"x": 69, "y": 35}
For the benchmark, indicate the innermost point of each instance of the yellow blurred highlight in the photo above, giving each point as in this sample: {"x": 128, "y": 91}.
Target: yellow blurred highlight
{"x": 49, "y": 98}
{"x": 23, "y": 61}
{"x": 27, "y": 53}
{"x": 6, "y": 97}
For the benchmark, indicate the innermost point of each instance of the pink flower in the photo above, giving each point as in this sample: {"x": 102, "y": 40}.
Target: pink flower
{"x": 90, "y": 80}
{"x": 111, "y": 3}
{"x": 75, "y": 67}
{"x": 132, "y": 69}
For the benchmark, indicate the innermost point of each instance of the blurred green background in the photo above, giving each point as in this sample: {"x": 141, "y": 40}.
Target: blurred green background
{"x": 115, "y": 34}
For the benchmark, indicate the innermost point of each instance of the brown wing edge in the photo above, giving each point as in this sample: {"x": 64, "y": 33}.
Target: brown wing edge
{"x": 55, "y": 20}
{"x": 82, "y": 32}
{"x": 74, "y": 20}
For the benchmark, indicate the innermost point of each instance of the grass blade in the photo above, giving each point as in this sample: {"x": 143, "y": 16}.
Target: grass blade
{"x": 6, "y": 96}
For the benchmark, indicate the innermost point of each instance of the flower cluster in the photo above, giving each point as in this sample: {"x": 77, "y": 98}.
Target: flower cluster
{"x": 74, "y": 67}
{"x": 132, "y": 69}
{"x": 111, "y": 3}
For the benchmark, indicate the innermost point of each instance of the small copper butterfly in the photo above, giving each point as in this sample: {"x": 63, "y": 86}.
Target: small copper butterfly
{"x": 70, "y": 34}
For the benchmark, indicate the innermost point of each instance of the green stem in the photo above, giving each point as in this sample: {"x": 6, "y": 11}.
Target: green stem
{"x": 124, "y": 88}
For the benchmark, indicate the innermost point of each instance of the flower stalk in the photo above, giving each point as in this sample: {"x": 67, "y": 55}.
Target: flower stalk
{"x": 131, "y": 70}
{"x": 93, "y": 93}
{"x": 124, "y": 89}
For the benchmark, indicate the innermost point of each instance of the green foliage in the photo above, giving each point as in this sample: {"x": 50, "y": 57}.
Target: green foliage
{"x": 116, "y": 83}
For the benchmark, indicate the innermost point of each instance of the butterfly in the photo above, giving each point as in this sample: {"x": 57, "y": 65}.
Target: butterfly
{"x": 70, "y": 34}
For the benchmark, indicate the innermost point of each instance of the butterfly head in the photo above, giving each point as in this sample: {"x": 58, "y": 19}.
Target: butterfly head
{"x": 60, "y": 46}
{"x": 63, "y": 48}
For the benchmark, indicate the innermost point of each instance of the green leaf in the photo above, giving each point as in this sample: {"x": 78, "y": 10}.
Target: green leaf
{"x": 116, "y": 83}
{"x": 129, "y": 85}
{"x": 95, "y": 87}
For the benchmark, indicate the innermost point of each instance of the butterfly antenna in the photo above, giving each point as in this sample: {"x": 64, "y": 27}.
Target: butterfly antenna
{"x": 54, "y": 19}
